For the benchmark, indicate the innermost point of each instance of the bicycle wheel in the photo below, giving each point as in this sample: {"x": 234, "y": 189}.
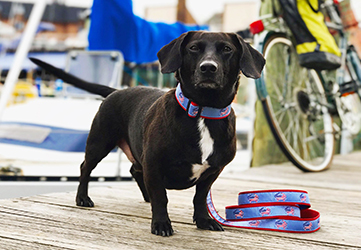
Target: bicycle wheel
{"x": 354, "y": 67}
{"x": 349, "y": 102}
{"x": 349, "y": 110}
{"x": 295, "y": 108}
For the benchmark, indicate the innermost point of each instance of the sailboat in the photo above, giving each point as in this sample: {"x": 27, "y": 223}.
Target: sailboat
{"x": 44, "y": 138}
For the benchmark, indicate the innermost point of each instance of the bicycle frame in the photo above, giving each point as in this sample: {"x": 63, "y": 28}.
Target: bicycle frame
{"x": 269, "y": 25}
{"x": 261, "y": 37}
{"x": 299, "y": 102}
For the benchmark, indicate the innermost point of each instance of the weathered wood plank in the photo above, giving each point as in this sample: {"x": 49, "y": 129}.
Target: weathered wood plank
{"x": 15, "y": 244}
{"x": 339, "y": 221}
{"x": 51, "y": 225}
{"x": 351, "y": 157}
{"x": 121, "y": 219}
{"x": 344, "y": 174}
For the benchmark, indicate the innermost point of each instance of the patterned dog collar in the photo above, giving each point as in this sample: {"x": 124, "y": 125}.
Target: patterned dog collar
{"x": 194, "y": 110}
{"x": 274, "y": 210}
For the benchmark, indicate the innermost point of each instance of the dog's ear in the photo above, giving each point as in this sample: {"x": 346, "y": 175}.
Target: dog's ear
{"x": 251, "y": 62}
{"x": 170, "y": 56}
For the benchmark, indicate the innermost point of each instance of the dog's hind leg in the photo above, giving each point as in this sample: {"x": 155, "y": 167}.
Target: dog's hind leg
{"x": 137, "y": 173}
{"x": 97, "y": 148}
{"x": 82, "y": 198}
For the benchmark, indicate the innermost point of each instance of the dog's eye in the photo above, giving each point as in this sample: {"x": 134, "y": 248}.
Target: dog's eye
{"x": 194, "y": 48}
{"x": 227, "y": 49}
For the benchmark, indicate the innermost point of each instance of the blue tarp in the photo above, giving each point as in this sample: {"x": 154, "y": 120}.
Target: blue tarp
{"x": 115, "y": 27}
{"x": 60, "y": 139}
{"x": 58, "y": 59}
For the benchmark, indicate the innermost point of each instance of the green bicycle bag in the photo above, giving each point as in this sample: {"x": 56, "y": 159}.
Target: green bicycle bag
{"x": 316, "y": 47}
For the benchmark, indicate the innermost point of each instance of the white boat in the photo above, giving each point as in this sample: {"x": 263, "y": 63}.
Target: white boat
{"x": 46, "y": 136}
{"x": 71, "y": 118}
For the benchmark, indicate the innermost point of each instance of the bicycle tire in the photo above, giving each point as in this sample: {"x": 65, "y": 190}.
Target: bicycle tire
{"x": 355, "y": 65}
{"x": 296, "y": 113}
{"x": 348, "y": 103}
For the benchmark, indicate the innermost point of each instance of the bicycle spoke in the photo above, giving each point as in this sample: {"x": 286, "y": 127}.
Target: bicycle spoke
{"x": 280, "y": 119}
{"x": 295, "y": 134}
{"x": 289, "y": 127}
{"x": 311, "y": 138}
{"x": 303, "y": 145}
{"x": 275, "y": 88}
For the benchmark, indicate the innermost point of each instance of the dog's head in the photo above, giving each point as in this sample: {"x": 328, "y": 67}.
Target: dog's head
{"x": 208, "y": 64}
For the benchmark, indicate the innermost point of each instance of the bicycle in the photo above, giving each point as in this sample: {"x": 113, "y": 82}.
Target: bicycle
{"x": 299, "y": 103}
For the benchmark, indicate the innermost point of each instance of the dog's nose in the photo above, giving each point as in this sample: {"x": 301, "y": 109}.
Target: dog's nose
{"x": 209, "y": 67}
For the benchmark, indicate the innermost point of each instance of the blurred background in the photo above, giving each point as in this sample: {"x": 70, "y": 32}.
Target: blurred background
{"x": 65, "y": 26}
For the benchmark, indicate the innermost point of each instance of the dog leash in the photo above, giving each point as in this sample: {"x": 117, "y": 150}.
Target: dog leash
{"x": 273, "y": 210}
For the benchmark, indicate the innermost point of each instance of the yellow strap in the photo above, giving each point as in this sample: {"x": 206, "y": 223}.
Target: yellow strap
{"x": 316, "y": 25}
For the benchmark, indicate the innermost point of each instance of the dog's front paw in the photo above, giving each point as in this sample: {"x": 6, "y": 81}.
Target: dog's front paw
{"x": 162, "y": 228}
{"x": 84, "y": 201}
{"x": 208, "y": 224}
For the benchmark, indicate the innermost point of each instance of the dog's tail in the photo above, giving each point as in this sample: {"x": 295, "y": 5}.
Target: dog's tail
{"x": 93, "y": 88}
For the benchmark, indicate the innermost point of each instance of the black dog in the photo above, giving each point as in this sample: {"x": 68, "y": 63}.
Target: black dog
{"x": 178, "y": 139}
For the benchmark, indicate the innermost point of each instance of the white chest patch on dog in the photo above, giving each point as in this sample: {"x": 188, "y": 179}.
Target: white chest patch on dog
{"x": 198, "y": 169}
{"x": 206, "y": 147}
{"x": 206, "y": 142}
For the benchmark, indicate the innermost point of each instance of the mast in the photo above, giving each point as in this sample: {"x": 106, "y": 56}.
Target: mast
{"x": 183, "y": 14}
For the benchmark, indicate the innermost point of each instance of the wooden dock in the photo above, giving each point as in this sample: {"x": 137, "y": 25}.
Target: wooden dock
{"x": 121, "y": 220}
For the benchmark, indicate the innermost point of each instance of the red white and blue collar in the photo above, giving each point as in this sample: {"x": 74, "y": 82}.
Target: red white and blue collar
{"x": 194, "y": 110}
